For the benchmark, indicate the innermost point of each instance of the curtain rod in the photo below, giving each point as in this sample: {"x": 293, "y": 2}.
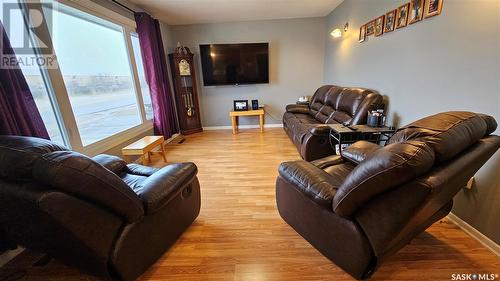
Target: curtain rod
{"x": 123, "y": 6}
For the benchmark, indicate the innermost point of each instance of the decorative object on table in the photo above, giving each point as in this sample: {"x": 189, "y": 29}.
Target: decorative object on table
{"x": 240, "y": 105}
{"x": 376, "y": 118}
{"x": 390, "y": 21}
{"x": 370, "y": 28}
{"x": 186, "y": 94}
{"x": 433, "y": 8}
{"x": 379, "y": 25}
{"x": 303, "y": 100}
{"x": 255, "y": 104}
{"x": 362, "y": 33}
{"x": 402, "y": 15}
{"x": 236, "y": 114}
{"x": 416, "y": 11}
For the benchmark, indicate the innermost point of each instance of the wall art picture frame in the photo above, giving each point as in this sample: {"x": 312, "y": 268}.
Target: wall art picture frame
{"x": 416, "y": 11}
{"x": 379, "y": 25}
{"x": 433, "y": 8}
{"x": 362, "y": 33}
{"x": 240, "y": 105}
{"x": 370, "y": 28}
{"x": 390, "y": 21}
{"x": 402, "y": 15}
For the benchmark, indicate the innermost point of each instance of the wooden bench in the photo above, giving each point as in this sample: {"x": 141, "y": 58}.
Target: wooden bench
{"x": 144, "y": 147}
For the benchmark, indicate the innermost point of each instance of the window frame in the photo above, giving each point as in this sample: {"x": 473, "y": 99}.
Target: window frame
{"x": 58, "y": 93}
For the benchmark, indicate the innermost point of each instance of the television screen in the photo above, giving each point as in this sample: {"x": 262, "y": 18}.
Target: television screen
{"x": 233, "y": 64}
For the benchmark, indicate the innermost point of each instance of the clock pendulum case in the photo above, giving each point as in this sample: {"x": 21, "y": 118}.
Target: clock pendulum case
{"x": 185, "y": 90}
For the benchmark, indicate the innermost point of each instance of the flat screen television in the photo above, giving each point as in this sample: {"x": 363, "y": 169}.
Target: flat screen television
{"x": 233, "y": 64}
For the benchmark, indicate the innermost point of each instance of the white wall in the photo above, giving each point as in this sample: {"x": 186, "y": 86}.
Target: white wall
{"x": 296, "y": 64}
{"x": 448, "y": 62}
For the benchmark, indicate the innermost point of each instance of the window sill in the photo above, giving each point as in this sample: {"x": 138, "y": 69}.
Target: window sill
{"x": 117, "y": 139}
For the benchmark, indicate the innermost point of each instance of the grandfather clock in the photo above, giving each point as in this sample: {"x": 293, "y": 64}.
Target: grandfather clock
{"x": 186, "y": 96}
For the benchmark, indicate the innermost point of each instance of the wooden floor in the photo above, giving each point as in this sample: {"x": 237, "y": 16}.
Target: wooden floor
{"x": 239, "y": 234}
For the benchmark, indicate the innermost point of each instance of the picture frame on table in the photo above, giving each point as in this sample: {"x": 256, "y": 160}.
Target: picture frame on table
{"x": 240, "y": 105}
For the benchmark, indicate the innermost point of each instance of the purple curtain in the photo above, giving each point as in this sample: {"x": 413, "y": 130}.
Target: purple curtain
{"x": 18, "y": 112}
{"x": 155, "y": 67}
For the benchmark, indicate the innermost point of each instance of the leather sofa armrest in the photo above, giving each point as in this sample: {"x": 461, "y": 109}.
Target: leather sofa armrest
{"x": 358, "y": 152}
{"x": 113, "y": 163}
{"x": 320, "y": 130}
{"x": 159, "y": 188}
{"x": 297, "y": 108}
{"x": 309, "y": 179}
{"x": 328, "y": 161}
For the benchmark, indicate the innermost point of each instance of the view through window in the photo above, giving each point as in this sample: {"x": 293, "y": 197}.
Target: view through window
{"x": 95, "y": 67}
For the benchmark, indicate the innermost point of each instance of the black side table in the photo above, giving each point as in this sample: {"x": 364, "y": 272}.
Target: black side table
{"x": 340, "y": 134}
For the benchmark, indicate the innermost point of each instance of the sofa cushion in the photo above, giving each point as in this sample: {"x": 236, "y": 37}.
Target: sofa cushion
{"x": 448, "y": 133}
{"x": 349, "y": 100}
{"x": 18, "y": 155}
{"x": 80, "y": 176}
{"x": 382, "y": 170}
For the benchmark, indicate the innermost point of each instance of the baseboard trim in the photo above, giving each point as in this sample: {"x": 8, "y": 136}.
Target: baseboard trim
{"x": 212, "y": 128}
{"x": 474, "y": 233}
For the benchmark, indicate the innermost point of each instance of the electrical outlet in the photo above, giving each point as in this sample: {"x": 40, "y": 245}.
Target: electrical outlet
{"x": 470, "y": 183}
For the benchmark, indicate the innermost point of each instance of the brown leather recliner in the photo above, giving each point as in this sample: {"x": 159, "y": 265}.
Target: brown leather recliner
{"x": 359, "y": 207}
{"x": 305, "y": 125}
{"x": 101, "y": 215}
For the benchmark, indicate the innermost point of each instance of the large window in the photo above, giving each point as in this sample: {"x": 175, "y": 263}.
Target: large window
{"x": 35, "y": 79}
{"x": 98, "y": 93}
{"x": 94, "y": 63}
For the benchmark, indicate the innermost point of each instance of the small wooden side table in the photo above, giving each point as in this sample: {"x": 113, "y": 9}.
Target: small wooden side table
{"x": 144, "y": 147}
{"x": 235, "y": 114}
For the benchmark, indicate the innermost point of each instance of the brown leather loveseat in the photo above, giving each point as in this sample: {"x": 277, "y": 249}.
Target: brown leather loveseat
{"x": 359, "y": 207}
{"x": 99, "y": 214}
{"x": 305, "y": 125}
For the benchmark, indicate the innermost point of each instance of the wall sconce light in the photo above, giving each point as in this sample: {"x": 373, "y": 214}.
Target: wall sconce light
{"x": 336, "y": 33}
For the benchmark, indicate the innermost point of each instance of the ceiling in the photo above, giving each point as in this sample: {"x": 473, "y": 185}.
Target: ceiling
{"x": 177, "y": 12}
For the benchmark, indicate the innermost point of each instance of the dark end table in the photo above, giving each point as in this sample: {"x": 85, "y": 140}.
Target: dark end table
{"x": 340, "y": 134}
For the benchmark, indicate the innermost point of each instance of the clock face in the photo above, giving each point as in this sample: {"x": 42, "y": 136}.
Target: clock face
{"x": 184, "y": 68}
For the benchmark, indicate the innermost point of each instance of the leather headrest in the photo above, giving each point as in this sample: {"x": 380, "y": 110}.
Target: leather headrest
{"x": 18, "y": 154}
{"x": 382, "y": 170}
{"x": 80, "y": 176}
{"x": 448, "y": 133}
